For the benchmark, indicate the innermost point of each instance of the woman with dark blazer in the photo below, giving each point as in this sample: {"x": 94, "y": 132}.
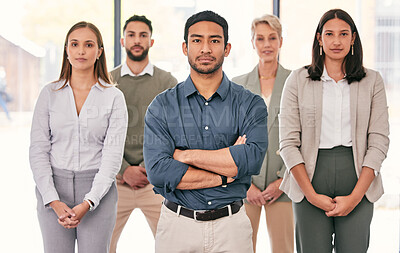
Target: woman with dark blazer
{"x": 267, "y": 80}
{"x": 333, "y": 139}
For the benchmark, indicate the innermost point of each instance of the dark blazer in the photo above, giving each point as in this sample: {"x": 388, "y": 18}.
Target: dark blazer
{"x": 273, "y": 166}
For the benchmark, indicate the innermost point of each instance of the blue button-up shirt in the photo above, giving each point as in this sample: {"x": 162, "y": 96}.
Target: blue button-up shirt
{"x": 180, "y": 118}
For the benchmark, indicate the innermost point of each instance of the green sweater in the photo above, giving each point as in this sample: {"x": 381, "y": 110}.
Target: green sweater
{"x": 139, "y": 91}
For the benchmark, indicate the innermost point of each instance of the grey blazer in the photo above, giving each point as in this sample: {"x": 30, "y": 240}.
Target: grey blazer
{"x": 300, "y": 127}
{"x": 273, "y": 166}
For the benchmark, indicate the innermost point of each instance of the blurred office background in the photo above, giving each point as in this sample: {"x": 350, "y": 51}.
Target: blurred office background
{"x": 32, "y": 33}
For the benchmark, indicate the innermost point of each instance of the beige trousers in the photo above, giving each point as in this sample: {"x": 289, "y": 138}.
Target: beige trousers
{"x": 280, "y": 225}
{"x": 129, "y": 199}
{"x": 179, "y": 234}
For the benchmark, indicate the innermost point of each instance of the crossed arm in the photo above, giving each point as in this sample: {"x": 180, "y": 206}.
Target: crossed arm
{"x": 213, "y": 164}
{"x": 169, "y": 169}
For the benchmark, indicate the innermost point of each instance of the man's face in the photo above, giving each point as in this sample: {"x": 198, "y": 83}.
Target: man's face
{"x": 137, "y": 41}
{"x": 205, "y": 48}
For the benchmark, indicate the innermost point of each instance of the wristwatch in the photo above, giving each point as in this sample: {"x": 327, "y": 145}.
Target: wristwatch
{"x": 224, "y": 181}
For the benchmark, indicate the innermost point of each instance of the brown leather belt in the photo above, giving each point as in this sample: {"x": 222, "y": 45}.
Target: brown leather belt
{"x": 204, "y": 215}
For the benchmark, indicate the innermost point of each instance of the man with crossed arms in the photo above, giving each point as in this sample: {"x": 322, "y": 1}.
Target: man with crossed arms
{"x": 204, "y": 139}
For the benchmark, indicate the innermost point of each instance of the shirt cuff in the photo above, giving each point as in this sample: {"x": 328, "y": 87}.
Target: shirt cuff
{"x": 95, "y": 201}
{"x": 124, "y": 165}
{"x": 372, "y": 163}
{"x": 291, "y": 158}
{"x": 49, "y": 197}
{"x": 238, "y": 155}
{"x": 180, "y": 171}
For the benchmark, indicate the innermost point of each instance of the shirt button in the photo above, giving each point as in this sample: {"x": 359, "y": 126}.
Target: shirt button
{"x": 209, "y": 202}
{"x": 206, "y": 127}
{"x": 206, "y": 103}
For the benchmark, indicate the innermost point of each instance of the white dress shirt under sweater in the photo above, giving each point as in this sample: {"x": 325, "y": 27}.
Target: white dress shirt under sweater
{"x": 336, "y": 121}
{"x": 125, "y": 70}
{"x": 63, "y": 140}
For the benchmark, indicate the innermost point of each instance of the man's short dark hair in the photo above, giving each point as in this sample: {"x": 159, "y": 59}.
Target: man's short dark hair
{"x": 206, "y": 16}
{"x": 140, "y": 19}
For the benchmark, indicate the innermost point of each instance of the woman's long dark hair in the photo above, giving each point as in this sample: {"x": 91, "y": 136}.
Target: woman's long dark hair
{"x": 352, "y": 64}
{"x": 100, "y": 66}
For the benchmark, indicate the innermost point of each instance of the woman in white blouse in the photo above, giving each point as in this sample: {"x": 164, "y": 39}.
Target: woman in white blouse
{"x": 77, "y": 139}
{"x": 333, "y": 139}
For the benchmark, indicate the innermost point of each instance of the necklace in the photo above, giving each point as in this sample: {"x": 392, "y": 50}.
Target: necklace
{"x": 267, "y": 77}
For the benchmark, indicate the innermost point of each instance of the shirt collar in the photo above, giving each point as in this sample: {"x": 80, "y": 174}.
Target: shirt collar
{"x": 149, "y": 69}
{"x": 97, "y": 85}
{"x": 325, "y": 77}
{"x": 222, "y": 90}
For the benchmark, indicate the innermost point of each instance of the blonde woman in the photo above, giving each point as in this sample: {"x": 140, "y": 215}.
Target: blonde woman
{"x": 267, "y": 80}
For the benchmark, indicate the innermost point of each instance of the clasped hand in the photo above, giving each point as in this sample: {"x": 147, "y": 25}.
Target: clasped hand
{"x": 67, "y": 217}
{"x": 135, "y": 177}
{"x": 338, "y": 206}
{"x": 257, "y": 197}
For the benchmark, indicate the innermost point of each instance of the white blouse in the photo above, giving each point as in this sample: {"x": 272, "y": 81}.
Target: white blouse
{"x": 267, "y": 100}
{"x": 336, "y": 122}
{"x": 63, "y": 140}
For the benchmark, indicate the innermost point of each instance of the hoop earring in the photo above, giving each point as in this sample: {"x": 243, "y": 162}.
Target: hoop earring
{"x": 352, "y": 49}
{"x": 320, "y": 50}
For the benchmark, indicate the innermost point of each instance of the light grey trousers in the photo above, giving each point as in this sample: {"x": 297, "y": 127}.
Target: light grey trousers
{"x": 334, "y": 175}
{"x": 93, "y": 234}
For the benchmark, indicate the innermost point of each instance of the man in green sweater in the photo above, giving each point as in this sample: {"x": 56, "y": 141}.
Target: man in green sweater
{"x": 140, "y": 81}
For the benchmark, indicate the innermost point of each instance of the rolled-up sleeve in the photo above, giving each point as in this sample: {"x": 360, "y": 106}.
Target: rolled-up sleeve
{"x": 40, "y": 146}
{"x": 163, "y": 171}
{"x": 249, "y": 157}
{"x": 378, "y": 129}
{"x": 289, "y": 124}
{"x": 112, "y": 151}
